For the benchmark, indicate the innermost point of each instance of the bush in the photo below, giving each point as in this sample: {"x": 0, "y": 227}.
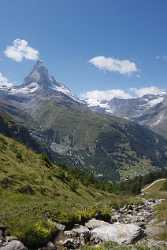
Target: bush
{"x": 46, "y": 159}
{"x": 37, "y": 235}
{"x": 19, "y": 155}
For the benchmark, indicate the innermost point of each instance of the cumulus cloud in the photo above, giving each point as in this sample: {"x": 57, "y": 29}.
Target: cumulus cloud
{"x": 101, "y": 97}
{"x": 114, "y": 65}
{"x": 20, "y": 50}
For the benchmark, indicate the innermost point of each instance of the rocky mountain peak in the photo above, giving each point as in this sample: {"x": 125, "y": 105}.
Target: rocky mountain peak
{"x": 40, "y": 75}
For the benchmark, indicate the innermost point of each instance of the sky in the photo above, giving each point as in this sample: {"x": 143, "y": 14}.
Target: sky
{"x": 88, "y": 45}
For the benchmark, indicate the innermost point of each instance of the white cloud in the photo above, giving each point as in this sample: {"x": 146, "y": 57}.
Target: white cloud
{"x": 20, "y": 50}
{"x": 146, "y": 91}
{"x": 101, "y": 97}
{"x": 114, "y": 65}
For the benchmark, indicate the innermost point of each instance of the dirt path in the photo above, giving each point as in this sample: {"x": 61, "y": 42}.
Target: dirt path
{"x": 154, "y": 182}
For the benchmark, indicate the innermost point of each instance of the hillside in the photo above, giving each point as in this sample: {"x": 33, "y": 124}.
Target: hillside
{"x": 33, "y": 192}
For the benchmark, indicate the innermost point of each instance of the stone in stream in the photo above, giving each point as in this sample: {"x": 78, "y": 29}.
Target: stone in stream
{"x": 119, "y": 233}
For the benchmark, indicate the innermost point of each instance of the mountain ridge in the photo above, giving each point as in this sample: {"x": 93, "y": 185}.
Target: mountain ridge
{"x": 148, "y": 110}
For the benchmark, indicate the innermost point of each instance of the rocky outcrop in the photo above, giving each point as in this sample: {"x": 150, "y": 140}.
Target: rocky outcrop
{"x": 128, "y": 225}
{"x": 119, "y": 233}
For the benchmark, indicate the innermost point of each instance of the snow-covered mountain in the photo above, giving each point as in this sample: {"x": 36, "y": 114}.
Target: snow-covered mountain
{"x": 130, "y": 107}
{"x": 4, "y": 83}
{"x": 37, "y": 82}
{"x": 149, "y": 109}
{"x": 39, "y": 86}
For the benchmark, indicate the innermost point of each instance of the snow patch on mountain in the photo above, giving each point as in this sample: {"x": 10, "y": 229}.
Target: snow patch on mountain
{"x": 28, "y": 89}
{"x": 99, "y": 97}
{"x": 155, "y": 101}
{"x": 4, "y": 83}
{"x": 158, "y": 121}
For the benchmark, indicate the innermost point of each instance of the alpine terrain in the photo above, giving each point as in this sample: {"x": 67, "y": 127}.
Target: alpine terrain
{"x": 65, "y": 127}
{"x": 149, "y": 110}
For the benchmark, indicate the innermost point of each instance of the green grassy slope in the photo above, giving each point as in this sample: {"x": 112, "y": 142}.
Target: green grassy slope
{"x": 33, "y": 192}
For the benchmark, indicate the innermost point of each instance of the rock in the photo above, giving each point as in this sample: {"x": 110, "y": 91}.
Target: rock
{"x": 70, "y": 234}
{"x": 49, "y": 246}
{"x": 13, "y": 245}
{"x": 71, "y": 243}
{"x": 93, "y": 223}
{"x": 60, "y": 227}
{"x": 10, "y": 238}
{"x": 81, "y": 230}
{"x": 119, "y": 233}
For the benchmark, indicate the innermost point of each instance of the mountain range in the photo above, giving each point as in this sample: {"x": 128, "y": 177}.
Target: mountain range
{"x": 46, "y": 116}
{"x": 148, "y": 110}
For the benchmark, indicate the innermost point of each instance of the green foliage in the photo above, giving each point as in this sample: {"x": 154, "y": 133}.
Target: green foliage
{"x": 19, "y": 156}
{"x": 46, "y": 159}
{"x": 38, "y": 234}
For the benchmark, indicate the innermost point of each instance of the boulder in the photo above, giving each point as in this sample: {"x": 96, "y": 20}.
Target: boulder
{"x": 119, "y": 233}
{"x": 13, "y": 245}
{"x": 60, "y": 227}
{"x": 93, "y": 223}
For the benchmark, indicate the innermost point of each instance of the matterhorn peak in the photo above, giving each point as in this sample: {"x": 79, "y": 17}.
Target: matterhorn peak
{"x": 39, "y": 75}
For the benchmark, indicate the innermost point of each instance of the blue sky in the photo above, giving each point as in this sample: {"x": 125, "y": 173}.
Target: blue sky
{"x": 69, "y": 33}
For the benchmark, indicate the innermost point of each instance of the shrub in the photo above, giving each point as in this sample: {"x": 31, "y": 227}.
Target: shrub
{"x": 19, "y": 155}
{"x": 38, "y": 234}
{"x": 46, "y": 159}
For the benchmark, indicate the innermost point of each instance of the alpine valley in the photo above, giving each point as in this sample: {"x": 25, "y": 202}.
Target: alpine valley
{"x": 46, "y": 116}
